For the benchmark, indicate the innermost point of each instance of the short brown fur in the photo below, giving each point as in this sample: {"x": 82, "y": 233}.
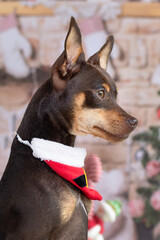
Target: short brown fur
{"x": 41, "y": 204}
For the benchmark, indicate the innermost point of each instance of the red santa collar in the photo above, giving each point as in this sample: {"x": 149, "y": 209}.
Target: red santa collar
{"x": 66, "y": 161}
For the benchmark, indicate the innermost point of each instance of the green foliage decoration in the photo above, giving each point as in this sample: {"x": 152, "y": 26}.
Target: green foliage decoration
{"x": 151, "y": 137}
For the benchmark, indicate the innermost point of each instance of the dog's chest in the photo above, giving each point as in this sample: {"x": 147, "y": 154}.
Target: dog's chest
{"x": 70, "y": 199}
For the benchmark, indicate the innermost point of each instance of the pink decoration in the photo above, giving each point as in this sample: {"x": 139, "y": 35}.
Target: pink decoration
{"x": 153, "y": 168}
{"x": 91, "y": 25}
{"x": 136, "y": 208}
{"x": 8, "y": 22}
{"x": 155, "y": 200}
{"x": 93, "y": 168}
{"x": 91, "y": 212}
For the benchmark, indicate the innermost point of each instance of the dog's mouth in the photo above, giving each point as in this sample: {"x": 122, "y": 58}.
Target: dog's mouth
{"x": 99, "y": 132}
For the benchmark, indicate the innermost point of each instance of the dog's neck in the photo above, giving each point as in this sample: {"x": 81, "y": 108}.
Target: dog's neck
{"x": 41, "y": 122}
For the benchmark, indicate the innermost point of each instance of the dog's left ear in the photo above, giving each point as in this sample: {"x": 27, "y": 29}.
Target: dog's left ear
{"x": 102, "y": 56}
{"x": 69, "y": 63}
{"x": 73, "y": 44}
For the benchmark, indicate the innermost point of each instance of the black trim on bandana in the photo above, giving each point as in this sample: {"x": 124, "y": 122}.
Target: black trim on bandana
{"x": 80, "y": 181}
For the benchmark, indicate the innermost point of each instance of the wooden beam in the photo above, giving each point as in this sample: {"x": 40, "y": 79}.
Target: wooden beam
{"x": 10, "y": 7}
{"x": 129, "y": 9}
{"x": 140, "y": 9}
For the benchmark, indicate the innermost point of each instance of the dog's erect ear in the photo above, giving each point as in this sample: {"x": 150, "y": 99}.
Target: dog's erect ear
{"x": 69, "y": 63}
{"x": 101, "y": 57}
{"x": 73, "y": 43}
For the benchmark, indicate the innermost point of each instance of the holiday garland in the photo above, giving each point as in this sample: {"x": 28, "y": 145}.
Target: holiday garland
{"x": 146, "y": 209}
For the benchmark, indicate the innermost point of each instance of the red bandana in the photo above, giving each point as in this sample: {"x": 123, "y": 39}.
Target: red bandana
{"x": 76, "y": 176}
{"x": 61, "y": 159}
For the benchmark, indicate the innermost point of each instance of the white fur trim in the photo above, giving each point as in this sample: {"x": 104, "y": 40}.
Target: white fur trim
{"x": 57, "y": 152}
{"x": 94, "y": 231}
{"x": 25, "y": 142}
{"x": 100, "y": 237}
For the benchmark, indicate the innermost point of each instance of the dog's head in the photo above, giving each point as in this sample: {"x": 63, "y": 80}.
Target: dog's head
{"x": 86, "y": 94}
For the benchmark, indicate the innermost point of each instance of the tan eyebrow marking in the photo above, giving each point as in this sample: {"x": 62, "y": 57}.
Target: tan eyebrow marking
{"x": 106, "y": 87}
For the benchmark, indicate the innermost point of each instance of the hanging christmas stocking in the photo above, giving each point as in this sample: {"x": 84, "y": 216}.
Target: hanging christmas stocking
{"x": 15, "y": 48}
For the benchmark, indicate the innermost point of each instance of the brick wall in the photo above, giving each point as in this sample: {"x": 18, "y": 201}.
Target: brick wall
{"x": 138, "y": 39}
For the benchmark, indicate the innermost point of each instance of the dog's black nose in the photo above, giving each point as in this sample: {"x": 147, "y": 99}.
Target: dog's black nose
{"x": 133, "y": 121}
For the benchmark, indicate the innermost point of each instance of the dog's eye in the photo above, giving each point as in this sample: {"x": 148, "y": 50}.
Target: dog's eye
{"x": 101, "y": 93}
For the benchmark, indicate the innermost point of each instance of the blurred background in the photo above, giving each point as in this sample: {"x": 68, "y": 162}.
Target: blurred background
{"x": 32, "y": 36}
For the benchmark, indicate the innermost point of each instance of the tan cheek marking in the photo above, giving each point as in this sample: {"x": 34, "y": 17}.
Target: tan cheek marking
{"x": 112, "y": 121}
{"x": 79, "y": 100}
{"x": 111, "y": 115}
{"x": 67, "y": 206}
{"x": 107, "y": 87}
{"x": 89, "y": 118}
{"x": 85, "y": 119}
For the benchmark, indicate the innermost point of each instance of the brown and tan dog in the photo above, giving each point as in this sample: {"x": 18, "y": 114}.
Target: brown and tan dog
{"x": 78, "y": 99}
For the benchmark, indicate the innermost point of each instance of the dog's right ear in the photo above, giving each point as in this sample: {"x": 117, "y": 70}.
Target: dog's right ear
{"x": 69, "y": 63}
{"x": 102, "y": 56}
